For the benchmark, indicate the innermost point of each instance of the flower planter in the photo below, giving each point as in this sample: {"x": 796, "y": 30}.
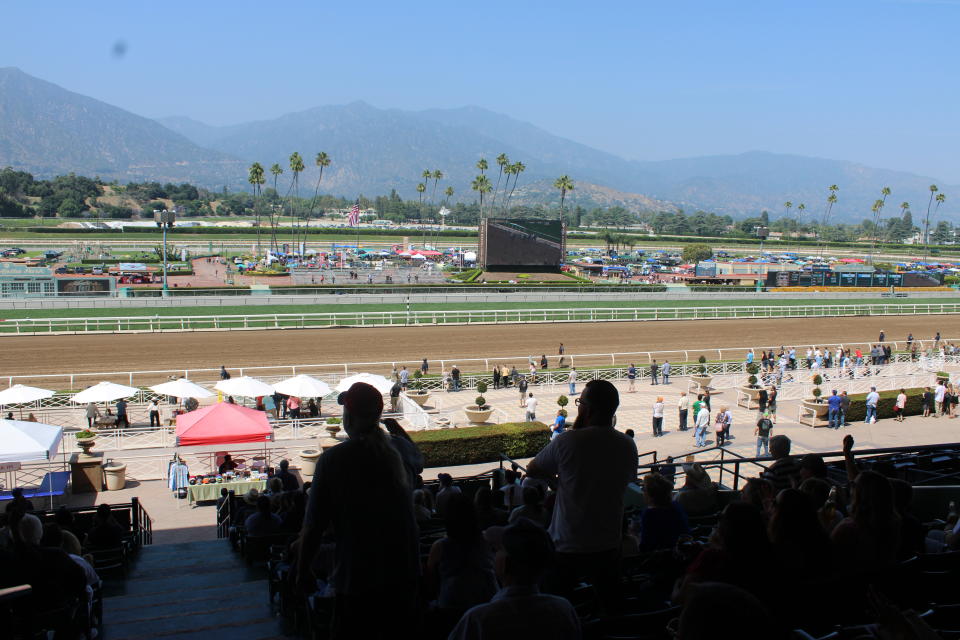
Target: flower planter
{"x": 419, "y": 397}
{"x": 819, "y": 409}
{"x": 749, "y": 397}
{"x": 477, "y": 415}
{"x": 702, "y": 381}
{"x": 86, "y": 444}
{"x": 332, "y": 429}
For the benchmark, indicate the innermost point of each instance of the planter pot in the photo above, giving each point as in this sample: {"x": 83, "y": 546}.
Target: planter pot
{"x": 308, "y": 462}
{"x": 702, "y": 381}
{"x": 86, "y": 444}
{"x": 333, "y": 430}
{"x": 420, "y": 398}
{"x": 819, "y": 409}
{"x": 477, "y": 415}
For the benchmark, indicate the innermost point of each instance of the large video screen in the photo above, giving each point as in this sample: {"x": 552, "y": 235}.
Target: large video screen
{"x": 522, "y": 244}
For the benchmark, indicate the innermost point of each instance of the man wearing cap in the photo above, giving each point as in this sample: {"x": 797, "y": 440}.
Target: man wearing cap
{"x": 524, "y": 551}
{"x": 591, "y": 466}
{"x": 361, "y": 493}
{"x": 764, "y": 427}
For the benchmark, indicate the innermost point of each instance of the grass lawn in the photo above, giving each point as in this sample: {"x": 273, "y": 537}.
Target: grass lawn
{"x": 463, "y": 306}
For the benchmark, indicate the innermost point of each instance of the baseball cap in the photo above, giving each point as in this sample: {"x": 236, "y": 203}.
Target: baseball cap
{"x": 361, "y": 398}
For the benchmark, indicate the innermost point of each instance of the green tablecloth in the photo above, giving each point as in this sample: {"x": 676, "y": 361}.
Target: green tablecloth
{"x": 199, "y": 492}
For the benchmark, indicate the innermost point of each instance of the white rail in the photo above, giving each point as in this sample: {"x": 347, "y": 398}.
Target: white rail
{"x": 162, "y": 324}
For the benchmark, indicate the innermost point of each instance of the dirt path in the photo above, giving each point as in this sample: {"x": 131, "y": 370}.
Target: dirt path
{"x": 69, "y": 354}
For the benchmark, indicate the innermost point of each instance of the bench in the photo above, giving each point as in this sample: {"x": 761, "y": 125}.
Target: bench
{"x": 54, "y": 483}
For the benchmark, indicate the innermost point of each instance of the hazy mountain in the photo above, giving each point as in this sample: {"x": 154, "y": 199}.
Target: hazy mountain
{"x": 48, "y": 130}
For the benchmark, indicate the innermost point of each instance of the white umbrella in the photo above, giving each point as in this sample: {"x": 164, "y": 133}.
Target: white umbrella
{"x": 303, "y": 386}
{"x": 104, "y": 392}
{"x": 26, "y": 441}
{"x": 244, "y": 387}
{"x": 21, "y": 394}
{"x": 379, "y": 383}
{"x": 182, "y": 388}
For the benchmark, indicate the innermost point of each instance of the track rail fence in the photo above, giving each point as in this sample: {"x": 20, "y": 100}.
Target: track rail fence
{"x": 163, "y": 324}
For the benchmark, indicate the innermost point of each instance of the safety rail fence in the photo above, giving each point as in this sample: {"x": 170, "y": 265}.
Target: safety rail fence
{"x": 731, "y": 358}
{"x": 161, "y": 324}
{"x": 721, "y": 463}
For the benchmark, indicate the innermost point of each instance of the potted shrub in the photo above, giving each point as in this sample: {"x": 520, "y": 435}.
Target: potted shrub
{"x": 333, "y": 426}
{"x": 418, "y": 395}
{"x": 85, "y": 440}
{"x": 752, "y": 389}
{"x": 562, "y": 402}
{"x": 814, "y": 405}
{"x": 480, "y": 411}
{"x": 700, "y": 373}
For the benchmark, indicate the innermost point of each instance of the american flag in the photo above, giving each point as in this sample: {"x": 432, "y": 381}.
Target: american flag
{"x": 354, "y": 218}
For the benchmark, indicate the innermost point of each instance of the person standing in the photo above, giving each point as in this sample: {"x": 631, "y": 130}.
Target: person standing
{"x": 654, "y": 372}
{"x": 122, "y": 420}
{"x": 224, "y": 374}
{"x": 936, "y": 340}
{"x": 683, "y": 406}
{"x": 404, "y": 378}
{"x": 531, "y": 405}
{"x": 559, "y": 424}
{"x": 665, "y": 372}
{"x": 631, "y": 378}
{"x": 92, "y": 414}
{"x": 764, "y": 427}
{"x": 658, "y": 417}
{"x": 900, "y": 405}
{"x": 496, "y": 377}
{"x": 572, "y": 380}
{"x": 293, "y": 407}
{"x": 702, "y": 421}
{"x": 424, "y": 366}
{"x": 455, "y": 377}
{"x": 153, "y": 409}
{"x": 833, "y": 410}
{"x": 522, "y": 388}
{"x": 395, "y": 397}
{"x": 543, "y": 361}
{"x": 844, "y": 407}
{"x": 927, "y": 402}
{"x": 873, "y": 398}
{"x": 591, "y": 466}
{"x": 749, "y": 357}
{"x": 909, "y": 340}
{"x": 939, "y": 393}
{"x": 882, "y": 336}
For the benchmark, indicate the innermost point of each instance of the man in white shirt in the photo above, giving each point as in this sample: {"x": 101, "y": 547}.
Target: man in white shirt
{"x": 591, "y": 466}
{"x": 531, "y": 408}
{"x": 938, "y": 395}
{"x": 572, "y": 380}
{"x": 683, "y": 408}
{"x": 873, "y": 398}
{"x": 519, "y": 610}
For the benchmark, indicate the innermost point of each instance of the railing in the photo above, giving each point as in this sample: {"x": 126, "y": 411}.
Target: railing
{"x": 730, "y": 357}
{"x": 142, "y": 523}
{"x": 158, "y": 324}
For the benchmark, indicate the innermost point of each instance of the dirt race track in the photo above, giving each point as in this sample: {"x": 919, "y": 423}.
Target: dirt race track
{"x": 140, "y": 352}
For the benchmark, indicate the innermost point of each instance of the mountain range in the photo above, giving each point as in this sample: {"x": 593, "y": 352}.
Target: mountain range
{"x": 48, "y": 130}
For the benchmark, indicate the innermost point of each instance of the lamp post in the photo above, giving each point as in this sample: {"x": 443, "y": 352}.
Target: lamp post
{"x": 165, "y": 220}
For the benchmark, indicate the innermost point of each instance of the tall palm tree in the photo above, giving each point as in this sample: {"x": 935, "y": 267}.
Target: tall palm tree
{"x": 421, "y": 188}
{"x": 437, "y": 176}
{"x": 482, "y": 165}
{"x": 322, "y": 160}
{"x": 481, "y": 184}
{"x": 516, "y": 169}
{"x": 801, "y": 210}
{"x": 276, "y": 170}
{"x": 831, "y": 200}
{"x": 447, "y": 192}
{"x": 296, "y": 167}
{"x": 564, "y": 184}
{"x": 256, "y": 178}
{"x": 926, "y": 220}
{"x": 876, "y": 209}
{"x": 787, "y": 205}
{"x": 502, "y": 161}
{"x": 508, "y": 171}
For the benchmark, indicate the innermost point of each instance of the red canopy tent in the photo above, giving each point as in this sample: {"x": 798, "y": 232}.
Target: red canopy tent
{"x": 222, "y": 423}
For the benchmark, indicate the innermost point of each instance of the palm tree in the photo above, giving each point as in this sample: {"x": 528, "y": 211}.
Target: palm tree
{"x": 447, "y": 192}
{"x": 926, "y": 221}
{"x": 256, "y": 178}
{"x": 876, "y": 209}
{"x": 297, "y": 167}
{"x": 437, "y": 176}
{"x": 502, "y": 161}
{"x": 481, "y": 184}
{"x": 276, "y": 170}
{"x": 787, "y": 205}
{"x": 482, "y": 165}
{"x": 564, "y": 184}
{"x": 516, "y": 169}
{"x": 420, "y": 189}
{"x": 322, "y": 160}
{"x": 831, "y": 200}
{"x": 801, "y": 210}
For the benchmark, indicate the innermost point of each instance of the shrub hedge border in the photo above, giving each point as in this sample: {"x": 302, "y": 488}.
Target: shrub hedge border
{"x": 474, "y": 445}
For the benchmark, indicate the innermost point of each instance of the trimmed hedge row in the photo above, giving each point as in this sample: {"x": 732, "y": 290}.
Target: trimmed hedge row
{"x": 858, "y": 404}
{"x": 473, "y": 445}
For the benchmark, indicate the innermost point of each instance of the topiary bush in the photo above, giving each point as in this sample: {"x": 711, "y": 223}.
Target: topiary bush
{"x": 473, "y": 445}
{"x": 562, "y": 402}
{"x": 480, "y": 400}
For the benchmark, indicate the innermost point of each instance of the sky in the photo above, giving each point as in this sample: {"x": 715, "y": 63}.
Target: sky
{"x": 871, "y": 81}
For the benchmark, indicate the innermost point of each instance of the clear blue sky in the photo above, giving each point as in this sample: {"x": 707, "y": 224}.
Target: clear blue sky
{"x": 873, "y": 81}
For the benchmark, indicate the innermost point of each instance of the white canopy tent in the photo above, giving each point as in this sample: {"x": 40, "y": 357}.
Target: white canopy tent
{"x": 182, "y": 388}
{"x": 28, "y": 441}
{"x": 104, "y": 392}
{"x": 303, "y": 386}
{"x": 244, "y": 387}
{"x": 22, "y": 394}
{"x": 379, "y": 383}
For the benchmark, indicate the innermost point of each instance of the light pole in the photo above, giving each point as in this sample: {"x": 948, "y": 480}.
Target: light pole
{"x": 164, "y": 219}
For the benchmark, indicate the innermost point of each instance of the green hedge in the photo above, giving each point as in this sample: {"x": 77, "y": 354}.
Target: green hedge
{"x": 473, "y": 445}
{"x": 858, "y": 404}
{"x": 151, "y": 260}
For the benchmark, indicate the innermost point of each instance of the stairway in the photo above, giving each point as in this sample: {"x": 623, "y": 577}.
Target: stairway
{"x": 192, "y": 590}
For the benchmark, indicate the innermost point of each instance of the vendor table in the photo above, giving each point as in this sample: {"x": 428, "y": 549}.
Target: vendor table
{"x": 201, "y": 492}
